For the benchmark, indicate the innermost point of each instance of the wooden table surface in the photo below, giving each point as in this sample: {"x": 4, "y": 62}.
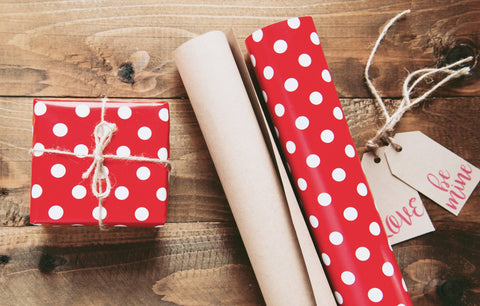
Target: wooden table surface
{"x": 123, "y": 50}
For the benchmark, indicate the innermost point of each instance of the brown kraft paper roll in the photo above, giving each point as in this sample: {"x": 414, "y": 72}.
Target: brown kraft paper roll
{"x": 246, "y": 170}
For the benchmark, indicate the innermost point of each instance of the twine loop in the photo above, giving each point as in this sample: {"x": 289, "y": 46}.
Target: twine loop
{"x": 103, "y": 133}
{"x": 385, "y": 134}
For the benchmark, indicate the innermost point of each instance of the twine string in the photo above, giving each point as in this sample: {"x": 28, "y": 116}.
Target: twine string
{"x": 385, "y": 132}
{"x": 103, "y": 134}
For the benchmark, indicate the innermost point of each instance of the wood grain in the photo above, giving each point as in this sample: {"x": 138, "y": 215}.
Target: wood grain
{"x": 89, "y": 48}
{"x": 84, "y": 266}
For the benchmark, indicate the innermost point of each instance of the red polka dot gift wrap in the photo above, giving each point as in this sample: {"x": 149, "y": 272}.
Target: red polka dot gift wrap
{"x": 315, "y": 139}
{"x": 139, "y": 189}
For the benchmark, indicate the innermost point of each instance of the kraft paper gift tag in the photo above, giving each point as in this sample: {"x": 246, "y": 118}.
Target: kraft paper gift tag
{"x": 433, "y": 170}
{"x": 399, "y": 205}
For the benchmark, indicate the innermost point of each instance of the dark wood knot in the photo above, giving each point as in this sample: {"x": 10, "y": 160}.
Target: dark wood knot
{"x": 49, "y": 262}
{"x": 126, "y": 73}
{"x": 459, "y": 49}
{"x": 450, "y": 292}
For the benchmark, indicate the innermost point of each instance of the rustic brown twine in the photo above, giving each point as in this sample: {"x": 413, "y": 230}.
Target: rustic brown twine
{"x": 103, "y": 134}
{"x": 384, "y": 134}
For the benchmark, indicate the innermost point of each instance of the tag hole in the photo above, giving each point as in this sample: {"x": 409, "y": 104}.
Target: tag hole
{"x": 399, "y": 149}
{"x": 377, "y": 160}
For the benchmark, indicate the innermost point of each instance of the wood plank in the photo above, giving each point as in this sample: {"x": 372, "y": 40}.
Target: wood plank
{"x": 85, "y": 266}
{"x": 202, "y": 262}
{"x": 123, "y": 49}
{"x": 195, "y": 193}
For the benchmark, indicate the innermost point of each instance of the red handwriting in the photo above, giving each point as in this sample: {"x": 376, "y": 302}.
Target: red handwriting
{"x": 403, "y": 217}
{"x": 455, "y": 189}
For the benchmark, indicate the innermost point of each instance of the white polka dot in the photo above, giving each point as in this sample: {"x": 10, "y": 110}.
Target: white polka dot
{"x": 36, "y": 191}
{"x": 362, "y": 253}
{"x": 123, "y": 151}
{"x": 326, "y": 259}
{"x": 338, "y": 297}
{"x": 60, "y": 130}
{"x": 348, "y": 278}
{"x": 404, "y": 285}
{"x": 375, "y": 295}
{"x": 327, "y": 136}
{"x": 268, "y": 72}
{"x": 326, "y": 76}
{"x": 58, "y": 170}
{"x": 141, "y": 214}
{"x": 316, "y": 98}
{"x": 313, "y": 221}
{"x": 257, "y": 35}
{"x": 40, "y": 108}
{"x": 401, "y": 305}
{"x": 350, "y": 151}
{"x": 339, "y": 175}
{"x": 293, "y": 23}
{"x": 80, "y": 150}
{"x": 144, "y": 133}
{"x": 362, "y": 189}
{"x": 374, "y": 229}
{"x": 38, "y": 149}
{"x": 302, "y": 184}
{"x": 337, "y": 113}
{"x": 291, "y": 84}
{"x": 314, "y": 38}
{"x": 253, "y": 60}
{"x": 279, "y": 110}
{"x": 265, "y": 97}
{"x": 387, "y": 269}
{"x": 55, "y": 212}
{"x": 291, "y": 147}
{"x": 143, "y": 173}
{"x": 163, "y": 114}
{"x": 159, "y": 226}
{"x": 82, "y": 110}
{"x": 162, "y": 154}
{"x": 79, "y": 192}
{"x": 336, "y": 238}
{"x": 121, "y": 192}
{"x": 280, "y": 46}
{"x": 302, "y": 122}
{"x": 350, "y": 213}
{"x": 96, "y": 214}
{"x": 124, "y": 112}
{"x": 324, "y": 199}
{"x": 304, "y": 60}
{"x": 313, "y": 160}
{"x": 162, "y": 194}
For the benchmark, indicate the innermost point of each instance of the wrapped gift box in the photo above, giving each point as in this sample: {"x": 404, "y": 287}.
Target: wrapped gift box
{"x": 314, "y": 136}
{"x": 59, "y": 194}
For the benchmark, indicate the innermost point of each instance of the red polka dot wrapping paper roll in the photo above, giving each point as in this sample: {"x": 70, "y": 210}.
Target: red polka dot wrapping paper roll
{"x": 59, "y": 195}
{"x": 315, "y": 139}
